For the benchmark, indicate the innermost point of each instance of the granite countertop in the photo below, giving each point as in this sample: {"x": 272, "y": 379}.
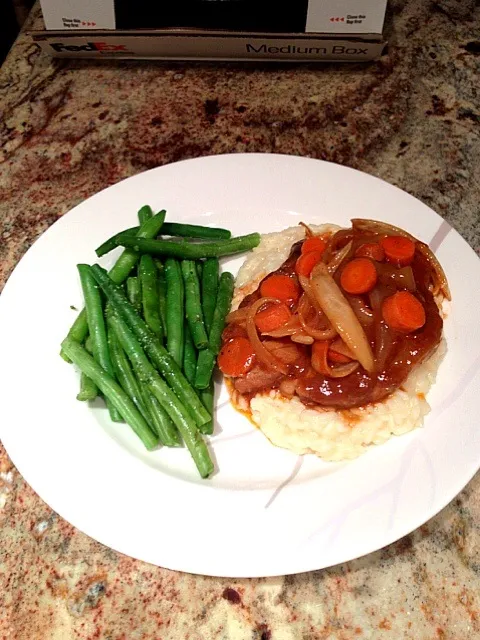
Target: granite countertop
{"x": 71, "y": 128}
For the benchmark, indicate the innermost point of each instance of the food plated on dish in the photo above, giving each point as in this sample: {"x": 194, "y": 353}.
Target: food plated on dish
{"x": 332, "y": 340}
{"x": 335, "y": 336}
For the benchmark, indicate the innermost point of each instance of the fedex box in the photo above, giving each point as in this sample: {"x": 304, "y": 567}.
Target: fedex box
{"x": 214, "y": 29}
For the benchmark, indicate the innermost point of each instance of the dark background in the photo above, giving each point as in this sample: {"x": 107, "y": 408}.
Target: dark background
{"x": 12, "y": 16}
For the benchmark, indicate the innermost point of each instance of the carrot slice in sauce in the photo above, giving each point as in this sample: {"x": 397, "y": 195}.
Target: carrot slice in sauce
{"x": 403, "y": 312}
{"x": 314, "y": 243}
{"x": 273, "y": 317}
{"x": 371, "y": 250}
{"x": 307, "y": 261}
{"x": 398, "y": 250}
{"x": 281, "y": 287}
{"x": 236, "y": 357}
{"x": 358, "y": 276}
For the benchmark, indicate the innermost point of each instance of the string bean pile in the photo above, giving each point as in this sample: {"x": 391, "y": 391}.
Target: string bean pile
{"x": 149, "y": 335}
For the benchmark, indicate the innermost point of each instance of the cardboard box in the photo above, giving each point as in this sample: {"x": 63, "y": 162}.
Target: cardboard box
{"x": 214, "y": 29}
{"x": 169, "y": 45}
{"x": 296, "y": 16}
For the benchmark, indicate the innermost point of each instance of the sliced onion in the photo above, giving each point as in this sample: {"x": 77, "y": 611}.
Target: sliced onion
{"x": 339, "y": 236}
{"x": 361, "y": 310}
{"x": 289, "y": 328}
{"x": 302, "y": 338}
{"x": 308, "y": 232}
{"x": 286, "y": 352}
{"x": 237, "y": 316}
{"x": 378, "y": 295}
{"x": 264, "y": 356}
{"x": 402, "y": 278}
{"x": 307, "y": 287}
{"x": 432, "y": 260}
{"x": 341, "y": 315}
{"x": 288, "y": 386}
{"x": 320, "y": 364}
{"x": 344, "y": 370}
{"x": 339, "y": 346}
{"x": 319, "y": 334}
{"x": 339, "y": 257}
{"x": 383, "y": 344}
{"x": 364, "y": 225}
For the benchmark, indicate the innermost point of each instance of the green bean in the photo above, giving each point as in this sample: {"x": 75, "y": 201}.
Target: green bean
{"x": 134, "y": 293}
{"x": 199, "y": 265}
{"x": 127, "y": 261}
{"x": 96, "y": 326}
{"x": 191, "y": 251}
{"x": 224, "y": 300}
{"x": 88, "y": 389}
{"x": 111, "y": 390}
{"x": 154, "y": 414}
{"x": 162, "y": 360}
{"x": 195, "y": 231}
{"x": 165, "y": 396}
{"x": 169, "y": 229}
{"x": 209, "y": 290}
{"x": 147, "y": 272}
{"x": 174, "y": 310}
{"x": 124, "y": 373}
{"x": 162, "y": 294}
{"x": 119, "y": 273}
{"x": 189, "y": 356}
{"x": 78, "y": 331}
{"x": 207, "y": 397}
{"x": 205, "y": 364}
{"x": 162, "y": 422}
{"x": 144, "y": 213}
{"x": 193, "y": 307}
{"x": 111, "y": 243}
{"x": 207, "y": 357}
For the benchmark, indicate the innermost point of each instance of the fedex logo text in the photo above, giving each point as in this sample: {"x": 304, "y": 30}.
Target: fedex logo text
{"x": 90, "y": 46}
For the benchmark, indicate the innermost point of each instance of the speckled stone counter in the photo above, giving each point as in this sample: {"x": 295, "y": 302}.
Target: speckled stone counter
{"x": 69, "y": 129}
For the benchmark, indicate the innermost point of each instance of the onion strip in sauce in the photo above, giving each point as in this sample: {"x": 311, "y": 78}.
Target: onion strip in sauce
{"x": 319, "y": 334}
{"x": 361, "y": 310}
{"x": 320, "y": 363}
{"x": 308, "y": 232}
{"x": 302, "y": 338}
{"x": 291, "y": 327}
{"x": 364, "y": 225}
{"x": 341, "y": 315}
{"x": 264, "y": 355}
{"x": 237, "y": 316}
{"x": 431, "y": 258}
{"x": 339, "y": 257}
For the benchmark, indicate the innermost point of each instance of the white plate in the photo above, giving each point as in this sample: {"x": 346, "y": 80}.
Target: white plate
{"x": 266, "y": 511}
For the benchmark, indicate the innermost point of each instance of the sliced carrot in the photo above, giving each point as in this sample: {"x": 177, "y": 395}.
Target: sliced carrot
{"x": 336, "y": 357}
{"x": 236, "y": 357}
{"x": 273, "y": 317}
{"x": 398, "y": 250}
{"x": 371, "y": 250}
{"x": 314, "y": 243}
{"x": 358, "y": 276}
{"x": 319, "y": 356}
{"x": 403, "y": 312}
{"x": 307, "y": 261}
{"x": 281, "y": 287}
